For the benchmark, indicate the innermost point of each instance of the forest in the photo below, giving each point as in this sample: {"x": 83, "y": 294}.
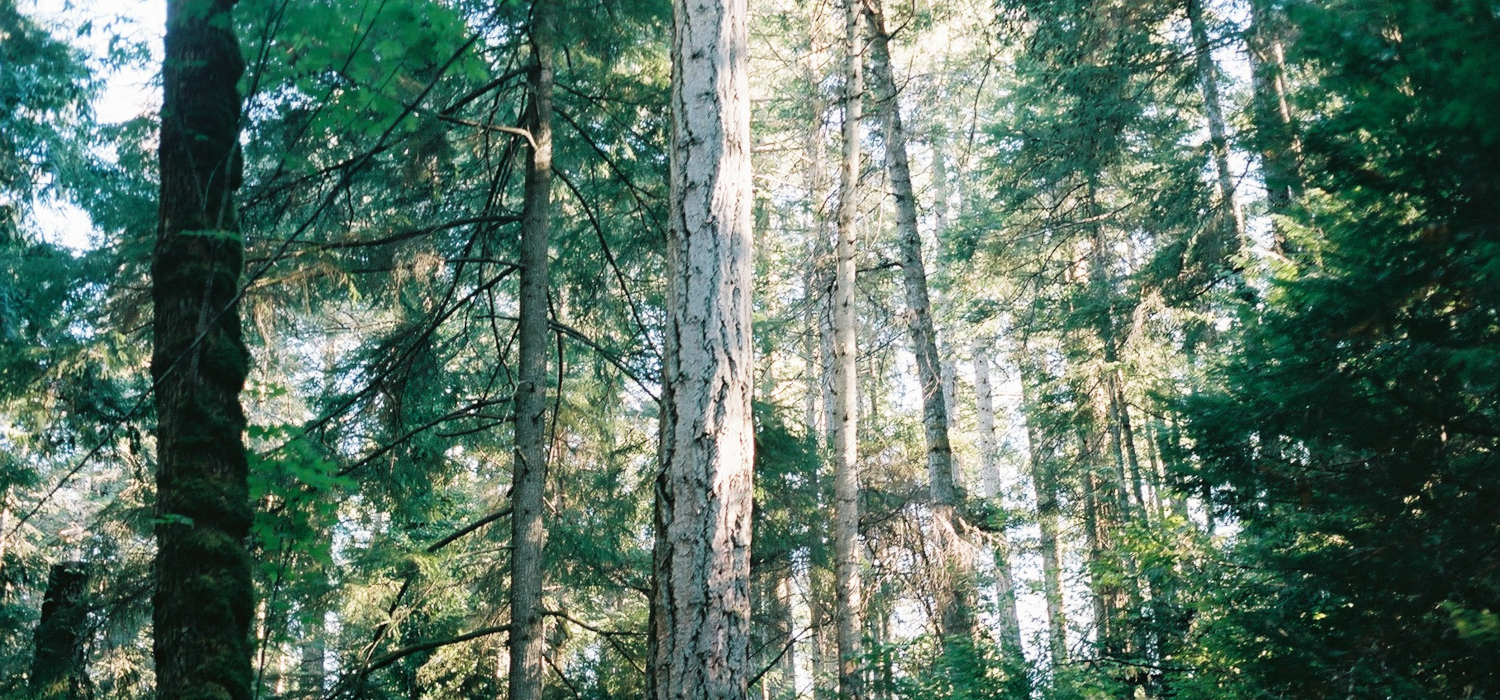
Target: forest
{"x": 718, "y": 349}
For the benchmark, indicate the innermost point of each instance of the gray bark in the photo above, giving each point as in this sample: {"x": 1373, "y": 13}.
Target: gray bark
{"x": 529, "y": 477}
{"x": 848, "y": 592}
{"x": 958, "y": 601}
{"x": 701, "y": 601}
{"x": 989, "y": 471}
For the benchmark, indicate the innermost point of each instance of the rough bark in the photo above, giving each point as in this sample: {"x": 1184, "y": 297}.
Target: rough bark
{"x": 1044, "y": 489}
{"x": 1208, "y": 81}
{"x": 529, "y": 468}
{"x": 701, "y": 592}
{"x": 958, "y": 602}
{"x": 58, "y": 670}
{"x": 203, "y": 601}
{"x": 848, "y": 593}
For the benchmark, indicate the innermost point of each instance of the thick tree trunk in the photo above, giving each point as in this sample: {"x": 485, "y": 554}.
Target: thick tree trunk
{"x": 1218, "y": 138}
{"x": 203, "y": 601}
{"x": 848, "y": 590}
{"x": 701, "y": 591}
{"x": 58, "y": 670}
{"x": 958, "y": 602}
{"x": 1044, "y": 488}
{"x": 529, "y": 469}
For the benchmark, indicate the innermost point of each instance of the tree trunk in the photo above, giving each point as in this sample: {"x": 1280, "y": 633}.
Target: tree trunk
{"x": 1044, "y": 488}
{"x": 529, "y": 470}
{"x": 1208, "y": 81}
{"x": 989, "y": 470}
{"x": 848, "y": 590}
{"x": 701, "y": 590}
{"x": 312, "y": 675}
{"x": 58, "y": 670}
{"x": 1275, "y": 137}
{"x": 203, "y": 602}
{"x": 958, "y": 601}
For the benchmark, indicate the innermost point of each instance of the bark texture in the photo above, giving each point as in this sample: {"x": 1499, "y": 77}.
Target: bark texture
{"x": 701, "y": 599}
{"x": 958, "y": 600}
{"x": 203, "y": 600}
{"x": 529, "y": 470}
{"x": 848, "y": 592}
{"x": 57, "y": 670}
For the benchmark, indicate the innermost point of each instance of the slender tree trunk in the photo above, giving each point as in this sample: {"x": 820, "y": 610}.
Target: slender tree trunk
{"x": 203, "y": 603}
{"x": 1044, "y": 488}
{"x": 1127, "y": 434}
{"x": 58, "y": 670}
{"x": 1275, "y": 135}
{"x": 701, "y": 591}
{"x": 822, "y": 664}
{"x": 984, "y": 399}
{"x": 989, "y": 471}
{"x": 1208, "y": 80}
{"x": 957, "y": 605}
{"x": 312, "y": 675}
{"x": 848, "y": 590}
{"x": 529, "y": 471}
{"x": 529, "y": 465}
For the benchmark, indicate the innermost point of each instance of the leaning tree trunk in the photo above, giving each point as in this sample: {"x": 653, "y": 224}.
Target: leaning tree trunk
{"x": 204, "y": 599}
{"x": 701, "y": 599}
{"x": 1208, "y": 81}
{"x": 529, "y": 470}
{"x": 847, "y": 587}
{"x": 957, "y": 602}
{"x": 58, "y": 670}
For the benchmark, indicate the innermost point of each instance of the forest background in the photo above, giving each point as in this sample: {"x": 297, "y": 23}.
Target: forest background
{"x": 1171, "y": 332}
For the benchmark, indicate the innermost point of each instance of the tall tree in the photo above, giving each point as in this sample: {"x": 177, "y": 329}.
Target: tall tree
{"x": 1232, "y": 226}
{"x": 957, "y": 605}
{"x": 203, "y": 600}
{"x": 845, "y": 431}
{"x": 701, "y": 598}
{"x": 529, "y": 470}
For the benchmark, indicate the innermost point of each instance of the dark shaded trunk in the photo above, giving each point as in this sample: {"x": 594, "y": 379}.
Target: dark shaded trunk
{"x": 204, "y": 601}
{"x": 58, "y": 671}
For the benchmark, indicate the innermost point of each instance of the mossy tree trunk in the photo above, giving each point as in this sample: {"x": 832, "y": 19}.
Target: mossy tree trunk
{"x": 203, "y": 599}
